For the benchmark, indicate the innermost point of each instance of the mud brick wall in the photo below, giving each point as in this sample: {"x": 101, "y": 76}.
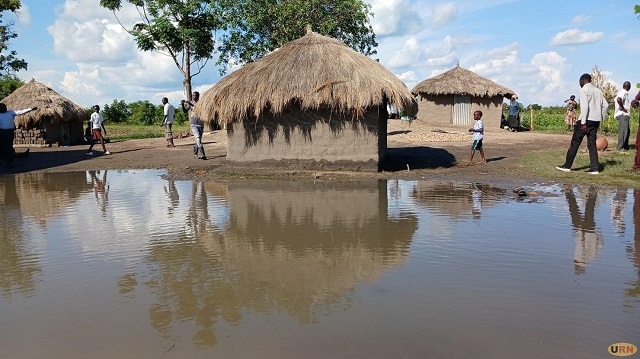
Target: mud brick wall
{"x": 36, "y": 137}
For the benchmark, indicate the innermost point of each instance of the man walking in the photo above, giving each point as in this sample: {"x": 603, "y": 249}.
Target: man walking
{"x": 622, "y": 107}
{"x": 593, "y": 108}
{"x": 97, "y": 125}
{"x": 167, "y": 121}
{"x": 197, "y": 126}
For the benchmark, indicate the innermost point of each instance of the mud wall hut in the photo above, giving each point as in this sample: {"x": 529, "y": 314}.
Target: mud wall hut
{"x": 314, "y": 102}
{"x": 452, "y": 97}
{"x": 57, "y": 119}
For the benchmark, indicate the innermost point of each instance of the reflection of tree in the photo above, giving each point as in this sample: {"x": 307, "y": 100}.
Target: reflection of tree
{"x": 588, "y": 239}
{"x": 291, "y": 247}
{"x": 17, "y": 266}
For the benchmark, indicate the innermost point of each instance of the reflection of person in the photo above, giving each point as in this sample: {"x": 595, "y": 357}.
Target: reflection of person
{"x": 101, "y": 190}
{"x": 478, "y": 135}
{"x": 588, "y": 240}
{"x": 167, "y": 121}
{"x": 174, "y": 196}
{"x": 593, "y": 107}
{"x": 513, "y": 120}
{"x": 7, "y": 131}
{"x": 618, "y": 209}
{"x": 197, "y": 126}
{"x": 622, "y": 106}
{"x": 97, "y": 125}
{"x": 571, "y": 117}
{"x": 476, "y": 198}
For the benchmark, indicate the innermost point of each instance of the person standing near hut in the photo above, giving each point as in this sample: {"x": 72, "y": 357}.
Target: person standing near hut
{"x": 636, "y": 164}
{"x": 197, "y": 126}
{"x": 622, "y": 106}
{"x": 7, "y": 131}
{"x": 97, "y": 125}
{"x": 478, "y": 135}
{"x": 571, "y": 117}
{"x": 167, "y": 121}
{"x": 513, "y": 121}
{"x": 593, "y": 107}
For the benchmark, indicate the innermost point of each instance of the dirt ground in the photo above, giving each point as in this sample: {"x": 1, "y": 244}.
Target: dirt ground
{"x": 415, "y": 150}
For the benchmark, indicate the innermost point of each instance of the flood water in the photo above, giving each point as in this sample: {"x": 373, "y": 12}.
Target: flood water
{"x": 127, "y": 264}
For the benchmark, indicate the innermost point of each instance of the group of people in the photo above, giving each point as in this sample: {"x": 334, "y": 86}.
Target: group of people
{"x": 96, "y": 124}
{"x": 593, "y": 108}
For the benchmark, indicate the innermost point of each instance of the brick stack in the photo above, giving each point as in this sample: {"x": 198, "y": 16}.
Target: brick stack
{"x": 33, "y": 137}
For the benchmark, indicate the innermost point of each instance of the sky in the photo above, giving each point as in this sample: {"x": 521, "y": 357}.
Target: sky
{"x": 537, "y": 48}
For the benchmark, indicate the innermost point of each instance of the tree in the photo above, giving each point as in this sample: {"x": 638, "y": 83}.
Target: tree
{"x": 145, "y": 112}
{"x": 636, "y": 9}
{"x": 600, "y": 81}
{"x": 8, "y": 84}
{"x": 257, "y": 27}
{"x": 9, "y": 63}
{"x": 118, "y": 112}
{"x": 181, "y": 29}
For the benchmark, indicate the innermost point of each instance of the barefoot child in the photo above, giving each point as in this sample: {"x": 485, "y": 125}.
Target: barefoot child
{"x": 478, "y": 134}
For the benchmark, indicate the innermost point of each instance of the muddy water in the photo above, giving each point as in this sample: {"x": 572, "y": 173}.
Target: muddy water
{"x": 126, "y": 264}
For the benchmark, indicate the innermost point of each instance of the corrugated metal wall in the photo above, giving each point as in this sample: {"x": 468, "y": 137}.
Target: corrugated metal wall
{"x": 461, "y": 110}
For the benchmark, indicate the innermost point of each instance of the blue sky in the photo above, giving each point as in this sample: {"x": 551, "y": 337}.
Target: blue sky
{"x": 539, "y": 49}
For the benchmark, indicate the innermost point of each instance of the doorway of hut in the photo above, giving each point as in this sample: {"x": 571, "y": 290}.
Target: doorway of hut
{"x": 461, "y": 110}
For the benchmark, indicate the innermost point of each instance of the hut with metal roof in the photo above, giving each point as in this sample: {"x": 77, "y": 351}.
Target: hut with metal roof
{"x": 453, "y": 96}
{"x": 57, "y": 119}
{"x": 314, "y": 102}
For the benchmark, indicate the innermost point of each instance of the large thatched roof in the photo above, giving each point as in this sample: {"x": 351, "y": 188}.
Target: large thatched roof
{"x": 314, "y": 71}
{"x": 459, "y": 81}
{"x": 51, "y": 105}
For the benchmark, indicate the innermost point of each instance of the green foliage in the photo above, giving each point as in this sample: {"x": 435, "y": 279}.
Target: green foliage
{"x": 9, "y": 63}
{"x": 636, "y": 9}
{"x": 8, "y": 84}
{"x": 183, "y": 29}
{"x": 256, "y": 27}
{"x": 118, "y": 112}
{"x": 144, "y": 112}
{"x": 551, "y": 119}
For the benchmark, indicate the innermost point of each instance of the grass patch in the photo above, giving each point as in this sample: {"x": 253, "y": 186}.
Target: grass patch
{"x": 615, "y": 168}
{"x": 124, "y": 131}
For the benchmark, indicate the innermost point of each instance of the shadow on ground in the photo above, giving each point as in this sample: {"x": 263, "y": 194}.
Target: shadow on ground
{"x": 36, "y": 161}
{"x": 398, "y": 159}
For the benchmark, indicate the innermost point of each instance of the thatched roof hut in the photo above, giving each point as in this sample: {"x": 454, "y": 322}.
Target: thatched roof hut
{"x": 459, "y": 87}
{"x": 314, "y": 101}
{"x": 58, "y": 116}
{"x": 315, "y": 71}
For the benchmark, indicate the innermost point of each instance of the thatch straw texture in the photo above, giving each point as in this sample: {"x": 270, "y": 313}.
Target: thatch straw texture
{"x": 313, "y": 70}
{"x": 51, "y": 105}
{"x": 459, "y": 81}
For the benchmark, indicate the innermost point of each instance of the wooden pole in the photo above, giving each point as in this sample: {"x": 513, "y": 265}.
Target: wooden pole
{"x": 531, "y": 109}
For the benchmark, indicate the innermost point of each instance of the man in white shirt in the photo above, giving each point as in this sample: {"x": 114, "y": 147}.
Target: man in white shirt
{"x": 169, "y": 114}
{"x": 622, "y": 106}
{"x": 593, "y": 108}
{"x": 97, "y": 125}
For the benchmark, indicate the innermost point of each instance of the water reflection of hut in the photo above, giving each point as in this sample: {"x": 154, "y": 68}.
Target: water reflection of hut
{"x": 314, "y": 101}
{"x": 57, "y": 119}
{"x": 291, "y": 247}
{"x": 452, "y": 97}
{"x": 456, "y": 199}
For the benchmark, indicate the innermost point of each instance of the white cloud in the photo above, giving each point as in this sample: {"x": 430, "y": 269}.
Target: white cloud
{"x": 393, "y": 17}
{"x": 24, "y": 15}
{"x": 442, "y": 14}
{"x": 575, "y": 37}
{"x": 581, "y": 19}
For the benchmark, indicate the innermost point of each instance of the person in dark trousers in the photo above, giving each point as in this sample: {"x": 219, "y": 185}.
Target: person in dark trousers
{"x": 593, "y": 108}
{"x": 197, "y": 126}
{"x": 7, "y": 132}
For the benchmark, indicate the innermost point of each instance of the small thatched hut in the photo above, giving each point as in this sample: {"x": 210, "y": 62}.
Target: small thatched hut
{"x": 452, "y": 97}
{"x": 60, "y": 120}
{"x": 313, "y": 102}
